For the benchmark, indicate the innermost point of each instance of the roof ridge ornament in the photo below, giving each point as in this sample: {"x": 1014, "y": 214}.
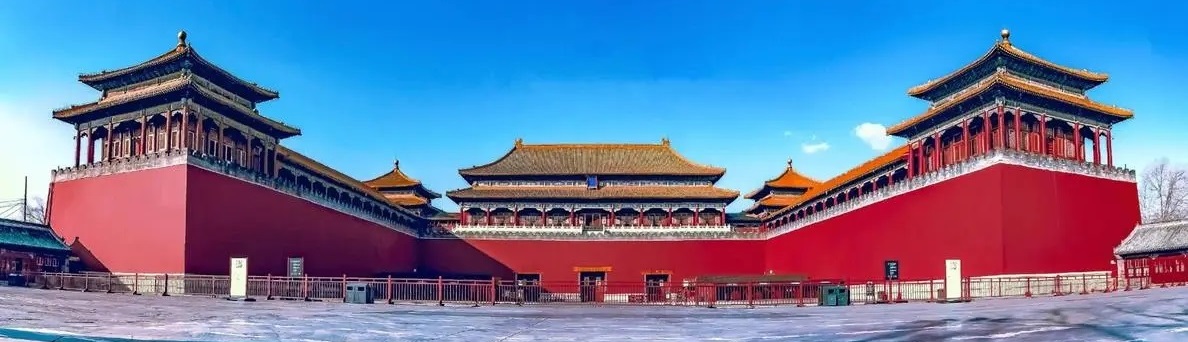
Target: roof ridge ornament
{"x": 519, "y": 142}
{"x": 789, "y": 163}
{"x": 395, "y": 163}
{"x": 1006, "y": 36}
{"x": 664, "y": 141}
{"x": 181, "y": 40}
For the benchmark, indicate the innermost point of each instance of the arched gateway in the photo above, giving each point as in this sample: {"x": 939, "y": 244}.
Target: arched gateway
{"x": 183, "y": 172}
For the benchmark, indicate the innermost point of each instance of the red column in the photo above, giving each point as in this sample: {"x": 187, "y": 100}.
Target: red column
{"x": 640, "y": 220}
{"x": 107, "y": 141}
{"x": 1078, "y": 154}
{"x": 219, "y": 150}
{"x": 1044, "y": 135}
{"x": 1018, "y": 128}
{"x": 143, "y": 136}
{"x": 90, "y": 147}
{"x": 486, "y": 214}
{"x": 722, "y": 217}
{"x": 987, "y": 133}
{"x": 77, "y": 147}
{"x": 1096, "y": 146}
{"x": 572, "y": 217}
{"x": 612, "y": 217}
{"x": 936, "y": 151}
{"x": 1001, "y": 128}
{"x": 696, "y": 215}
{"x": 516, "y": 216}
{"x": 184, "y": 131}
{"x": 1109, "y": 148}
{"x": 168, "y": 131}
{"x": 965, "y": 145}
{"x": 668, "y": 220}
{"x": 201, "y": 139}
{"x": 462, "y": 216}
{"x": 910, "y": 154}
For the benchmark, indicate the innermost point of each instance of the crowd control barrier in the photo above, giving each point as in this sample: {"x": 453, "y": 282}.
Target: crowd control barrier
{"x": 441, "y": 291}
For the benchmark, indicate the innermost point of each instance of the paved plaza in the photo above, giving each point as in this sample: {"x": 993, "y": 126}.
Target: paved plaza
{"x": 48, "y": 315}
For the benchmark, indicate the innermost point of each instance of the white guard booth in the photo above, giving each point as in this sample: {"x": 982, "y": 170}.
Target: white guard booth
{"x": 952, "y": 280}
{"x": 239, "y": 279}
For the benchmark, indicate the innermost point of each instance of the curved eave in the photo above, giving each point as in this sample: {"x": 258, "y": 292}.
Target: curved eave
{"x": 325, "y": 171}
{"x": 1013, "y": 82}
{"x": 480, "y": 170}
{"x": 627, "y": 194}
{"x": 1009, "y": 49}
{"x": 887, "y": 159}
{"x": 281, "y": 130}
{"x": 96, "y": 80}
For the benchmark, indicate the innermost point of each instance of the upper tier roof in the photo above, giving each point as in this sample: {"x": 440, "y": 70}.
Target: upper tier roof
{"x": 889, "y": 158}
{"x": 1009, "y": 80}
{"x": 179, "y": 84}
{"x": 184, "y": 56}
{"x": 605, "y": 193}
{"x": 592, "y": 159}
{"x": 398, "y": 180}
{"x": 1004, "y": 46}
{"x": 790, "y": 179}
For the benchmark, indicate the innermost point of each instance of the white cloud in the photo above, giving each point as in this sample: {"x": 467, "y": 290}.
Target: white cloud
{"x": 787, "y": 133}
{"x": 874, "y": 135}
{"x": 34, "y": 145}
{"x": 811, "y": 147}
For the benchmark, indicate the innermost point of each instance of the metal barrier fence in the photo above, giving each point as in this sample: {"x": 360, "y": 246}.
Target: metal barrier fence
{"x": 492, "y": 292}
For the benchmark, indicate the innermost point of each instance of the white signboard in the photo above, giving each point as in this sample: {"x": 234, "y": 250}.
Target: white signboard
{"x": 952, "y": 280}
{"x": 239, "y": 275}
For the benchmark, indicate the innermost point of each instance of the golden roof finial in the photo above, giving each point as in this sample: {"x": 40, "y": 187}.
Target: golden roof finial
{"x": 789, "y": 163}
{"x": 395, "y": 164}
{"x": 1006, "y": 36}
{"x": 519, "y": 142}
{"x": 664, "y": 141}
{"x": 181, "y": 39}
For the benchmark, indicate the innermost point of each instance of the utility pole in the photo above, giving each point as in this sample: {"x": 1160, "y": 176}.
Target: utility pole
{"x": 25, "y": 202}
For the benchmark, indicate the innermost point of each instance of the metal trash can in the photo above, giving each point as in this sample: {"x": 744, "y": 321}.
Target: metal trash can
{"x": 834, "y": 295}
{"x": 359, "y": 293}
{"x": 16, "y": 279}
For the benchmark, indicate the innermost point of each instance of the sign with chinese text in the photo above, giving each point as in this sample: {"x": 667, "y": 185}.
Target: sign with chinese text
{"x": 239, "y": 275}
{"x": 296, "y": 267}
{"x": 891, "y": 269}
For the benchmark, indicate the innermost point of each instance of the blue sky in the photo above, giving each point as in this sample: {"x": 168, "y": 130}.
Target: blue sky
{"x": 443, "y": 85}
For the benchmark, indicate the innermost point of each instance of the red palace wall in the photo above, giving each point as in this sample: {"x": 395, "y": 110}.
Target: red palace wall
{"x": 186, "y": 219}
{"x": 628, "y": 260}
{"x": 131, "y": 222}
{"x": 1004, "y": 219}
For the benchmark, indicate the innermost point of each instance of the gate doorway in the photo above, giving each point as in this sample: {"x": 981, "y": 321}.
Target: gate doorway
{"x": 591, "y": 285}
{"x": 654, "y": 286}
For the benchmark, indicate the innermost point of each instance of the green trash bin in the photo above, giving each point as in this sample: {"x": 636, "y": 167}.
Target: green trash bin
{"x": 834, "y": 295}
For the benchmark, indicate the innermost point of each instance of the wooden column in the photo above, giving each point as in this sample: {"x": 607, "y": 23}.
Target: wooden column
{"x": 184, "y": 129}
{"x": 143, "y": 136}
{"x": 200, "y": 134}
{"x": 936, "y": 151}
{"x": 168, "y": 132}
{"x": 965, "y": 143}
{"x": 107, "y": 142}
{"x": 1078, "y": 150}
{"x": 668, "y": 220}
{"x": 1044, "y": 135}
{"x": 1001, "y": 128}
{"x": 911, "y": 154}
{"x": 220, "y": 148}
{"x": 90, "y": 146}
{"x": 1109, "y": 148}
{"x": 1018, "y": 128}
{"x": 77, "y": 146}
{"x": 1096, "y": 145}
{"x": 987, "y": 132}
{"x": 640, "y": 220}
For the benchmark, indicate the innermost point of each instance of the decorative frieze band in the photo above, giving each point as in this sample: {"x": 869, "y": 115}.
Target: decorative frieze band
{"x": 643, "y": 206}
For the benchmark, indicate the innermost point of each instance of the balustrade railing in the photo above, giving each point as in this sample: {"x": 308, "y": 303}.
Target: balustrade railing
{"x": 975, "y": 163}
{"x": 184, "y": 156}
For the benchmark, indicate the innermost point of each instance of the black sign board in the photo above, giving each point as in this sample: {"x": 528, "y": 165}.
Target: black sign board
{"x": 296, "y": 267}
{"x": 891, "y": 269}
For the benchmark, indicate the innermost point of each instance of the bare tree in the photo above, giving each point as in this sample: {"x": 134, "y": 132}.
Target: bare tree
{"x": 36, "y": 211}
{"x": 1163, "y": 192}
